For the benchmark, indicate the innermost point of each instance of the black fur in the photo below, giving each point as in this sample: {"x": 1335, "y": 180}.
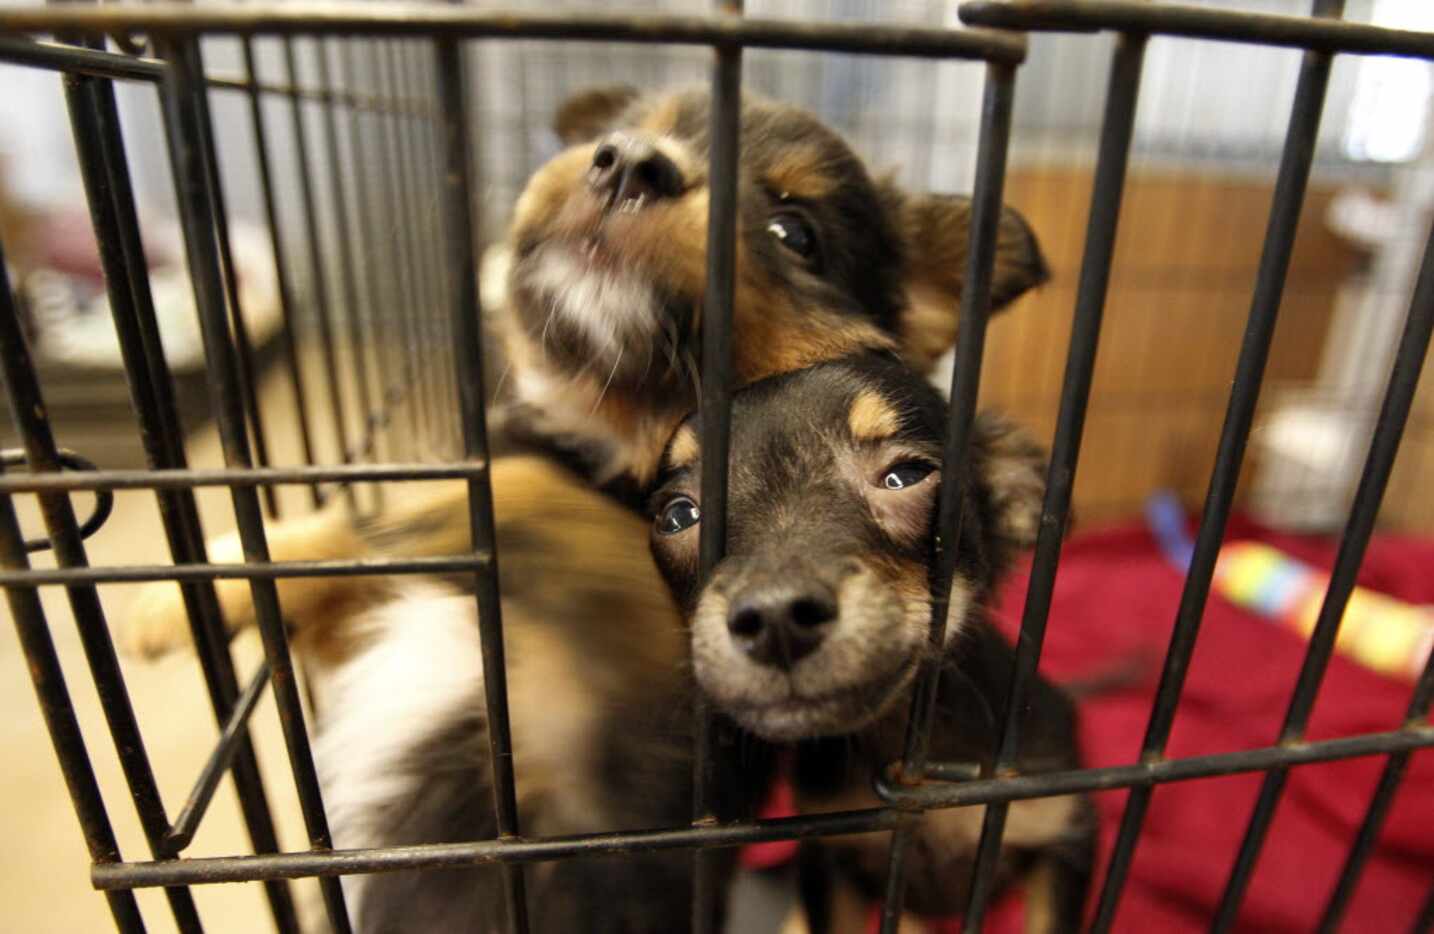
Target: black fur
{"x": 785, "y": 462}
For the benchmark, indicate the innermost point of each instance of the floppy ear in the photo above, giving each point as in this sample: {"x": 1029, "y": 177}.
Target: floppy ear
{"x": 935, "y": 232}
{"x": 1010, "y": 475}
{"x": 587, "y": 113}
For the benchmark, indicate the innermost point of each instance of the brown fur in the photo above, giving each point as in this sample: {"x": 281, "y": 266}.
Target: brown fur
{"x": 801, "y": 172}
{"x": 887, "y": 275}
{"x": 583, "y": 115}
{"x": 810, "y": 519}
{"x": 872, "y": 418}
{"x": 548, "y": 524}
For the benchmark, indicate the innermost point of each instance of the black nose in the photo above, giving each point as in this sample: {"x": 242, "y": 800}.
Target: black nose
{"x": 629, "y": 172}
{"x": 781, "y": 624}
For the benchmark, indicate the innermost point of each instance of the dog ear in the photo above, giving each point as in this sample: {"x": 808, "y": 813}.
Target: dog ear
{"x": 588, "y": 113}
{"x": 935, "y": 232}
{"x": 1010, "y": 477}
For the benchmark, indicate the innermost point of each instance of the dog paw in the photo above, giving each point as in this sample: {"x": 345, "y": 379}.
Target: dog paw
{"x": 156, "y": 622}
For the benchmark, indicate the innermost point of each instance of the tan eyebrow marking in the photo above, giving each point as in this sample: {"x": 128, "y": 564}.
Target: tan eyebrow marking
{"x": 798, "y": 170}
{"x": 872, "y": 418}
{"x": 684, "y": 448}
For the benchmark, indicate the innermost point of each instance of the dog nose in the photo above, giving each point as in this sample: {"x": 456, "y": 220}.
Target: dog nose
{"x": 629, "y": 171}
{"x": 780, "y": 625}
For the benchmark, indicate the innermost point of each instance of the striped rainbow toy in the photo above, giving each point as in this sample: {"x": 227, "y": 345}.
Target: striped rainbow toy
{"x": 1388, "y": 635}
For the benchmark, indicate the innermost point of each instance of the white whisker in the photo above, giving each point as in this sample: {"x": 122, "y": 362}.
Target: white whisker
{"x": 605, "y": 385}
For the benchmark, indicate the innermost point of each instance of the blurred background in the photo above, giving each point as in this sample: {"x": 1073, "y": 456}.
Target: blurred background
{"x": 1209, "y": 128}
{"x": 343, "y": 252}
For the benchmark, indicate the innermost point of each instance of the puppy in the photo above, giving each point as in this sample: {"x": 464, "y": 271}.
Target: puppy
{"x": 600, "y": 322}
{"x": 599, "y": 699}
{"x": 606, "y": 271}
{"x": 812, "y": 628}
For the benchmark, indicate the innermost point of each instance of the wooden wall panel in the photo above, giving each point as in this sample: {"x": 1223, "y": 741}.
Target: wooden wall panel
{"x": 1185, "y": 263}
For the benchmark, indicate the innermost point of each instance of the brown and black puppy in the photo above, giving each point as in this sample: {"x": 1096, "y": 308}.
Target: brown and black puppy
{"x": 601, "y": 321}
{"x": 813, "y": 627}
{"x": 599, "y": 699}
{"x": 607, "y": 256}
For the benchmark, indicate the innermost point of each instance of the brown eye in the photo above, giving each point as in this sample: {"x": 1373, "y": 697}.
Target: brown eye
{"x": 678, "y": 515}
{"x": 795, "y": 232}
{"x": 906, "y": 474}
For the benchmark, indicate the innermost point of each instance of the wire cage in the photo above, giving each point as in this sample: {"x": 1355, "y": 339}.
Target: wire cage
{"x": 371, "y": 150}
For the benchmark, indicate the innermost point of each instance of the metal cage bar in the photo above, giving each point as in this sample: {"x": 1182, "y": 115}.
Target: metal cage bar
{"x": 1117, "y": 129}
{"x": 1418, "y": 712}
{"x": 352, "y": 296}
{"x": 405, "y": 288}
{"x": 318, "y": 284}
{"x": 1424, "y": 923}
{"x": 995, "y": 136}
{"x": 403, "y": 167}
{"x": 1393, "y": 417}
{"x": 283, "y": 278}
{"x": 248, "y": 570}
{"x": 243, "y": 346}
{"x": 104, "y": 168}
{"x": 419, "y": 300}
{"x": 926, "y": 796}
{"x": 375, "y": 444}
{"x": 467, "y": 315}
{"x": 181, "y": 834}
{"x": 1199, "y": 22}
{"x": 31, "y": 418}
{"x": 457, "y": 22}
{"x": 716, "y": 415}
{"x": 183, "y": 135}
{"x": 52, "y": 694}
{"x": 1287, "y": 201}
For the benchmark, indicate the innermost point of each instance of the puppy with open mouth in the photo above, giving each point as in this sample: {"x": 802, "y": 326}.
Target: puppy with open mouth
{"x": 606, "y": 270}
{"x": 811, "y": 629}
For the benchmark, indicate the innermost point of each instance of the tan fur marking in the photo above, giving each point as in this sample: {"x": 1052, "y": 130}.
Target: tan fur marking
{"x": 1040, "y": 899}
{"x": 849, "y": 913}
{"x": 1030, "y": 823}
{"x": 928, "y": 326}
{"x": 662, "y": 119}
{"x": 684, "y": 449}
{"x": 872, "y": 418}
{"x": 936, "y": 229}
{"x": 778, "y": 337}
{"x": 798, "y": 171}
{"x": 553, "y": 725}
{"x": 550, "y": 188}
{"x": 423, "y": 520}
{"x": 157, "y": 622}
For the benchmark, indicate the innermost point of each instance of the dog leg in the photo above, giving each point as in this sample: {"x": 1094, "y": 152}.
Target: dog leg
{"x": 156, "y": 621}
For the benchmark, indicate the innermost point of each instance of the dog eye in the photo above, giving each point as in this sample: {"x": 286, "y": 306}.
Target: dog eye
{"x": 795, "y": 233}
{"x": 905, "y": 475}
{"x": 678, "y": 515}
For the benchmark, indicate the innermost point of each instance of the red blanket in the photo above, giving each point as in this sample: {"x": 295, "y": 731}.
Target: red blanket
{"x": 1116, "y": 595}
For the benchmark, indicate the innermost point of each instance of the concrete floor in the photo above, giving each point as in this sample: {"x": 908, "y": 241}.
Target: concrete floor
{"x": 44, "y": 883}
